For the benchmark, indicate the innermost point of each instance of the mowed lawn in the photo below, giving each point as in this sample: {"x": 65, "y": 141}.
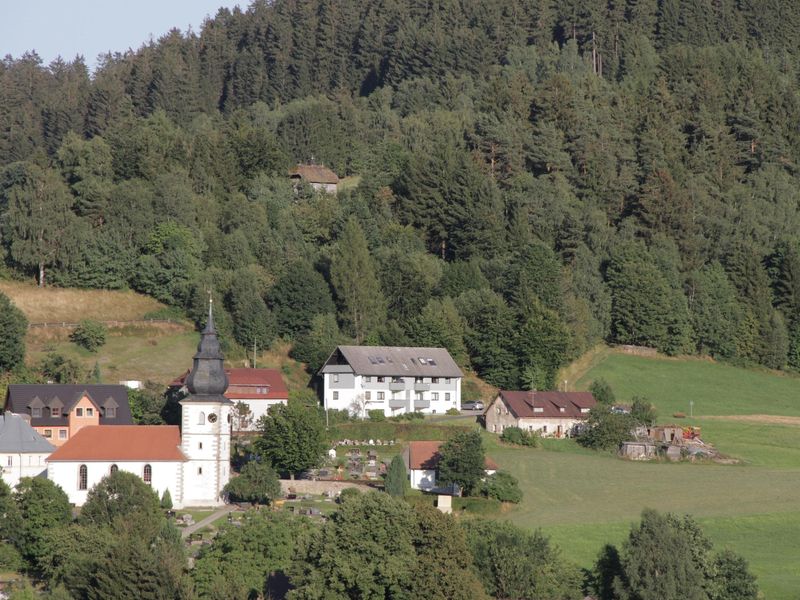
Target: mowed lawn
{"x": 585, "y": 499}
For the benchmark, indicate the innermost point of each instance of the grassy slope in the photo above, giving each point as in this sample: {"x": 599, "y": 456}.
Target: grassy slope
{"x": 584, "y": 499}
{"x": 158, "y": 352}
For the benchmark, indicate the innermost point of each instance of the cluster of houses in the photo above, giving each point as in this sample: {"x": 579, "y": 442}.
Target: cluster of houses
{"x": 77, "y": 434}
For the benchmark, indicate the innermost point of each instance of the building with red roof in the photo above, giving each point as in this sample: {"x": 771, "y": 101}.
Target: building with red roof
{"x": 422, "y": 461}
{"x": 192, "y": 461}
{"x": 257, "y": 389}
{"x": 552, "y": 414}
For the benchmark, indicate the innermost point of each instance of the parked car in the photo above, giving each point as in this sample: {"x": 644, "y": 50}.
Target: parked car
{"x": 472, "y": 405}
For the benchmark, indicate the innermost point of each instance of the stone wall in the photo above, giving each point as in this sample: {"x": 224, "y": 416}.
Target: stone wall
{"x": 306, "y": 486}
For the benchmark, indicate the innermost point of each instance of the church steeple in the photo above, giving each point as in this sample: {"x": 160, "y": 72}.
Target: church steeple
{"x": 207, "y": 380}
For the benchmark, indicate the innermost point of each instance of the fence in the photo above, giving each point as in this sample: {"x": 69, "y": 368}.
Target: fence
{"x": 66, "y": 325}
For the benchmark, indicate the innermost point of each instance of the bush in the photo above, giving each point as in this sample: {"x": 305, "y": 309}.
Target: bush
{"x": 89, "y": 334}
{"x": 166, "y": 500}
{"x": 453, "y": 411}
{"x": 348, "y": 494}
{"x": 502, "y": 486}
{"x": 409, "y": 416}
{"x": 376, "y": 415}
{"x": 602, "y": 392}
{"x": 606, "y": 430}
{"x": 515, "y": 435}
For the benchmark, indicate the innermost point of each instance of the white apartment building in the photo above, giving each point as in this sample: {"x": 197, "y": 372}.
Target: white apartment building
{"x": 393, "y": 379}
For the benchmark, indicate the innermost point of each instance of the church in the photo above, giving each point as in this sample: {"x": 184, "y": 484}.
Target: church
{"x": 191, "y": 461}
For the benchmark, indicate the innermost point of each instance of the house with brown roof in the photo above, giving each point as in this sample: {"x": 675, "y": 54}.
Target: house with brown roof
{"x": 319, "y": 177}
{"x": 59, "y": 411}
{"x": 422, "y": 461}
{"x": 257, "y": 389}
{"x": 552, "y": 414}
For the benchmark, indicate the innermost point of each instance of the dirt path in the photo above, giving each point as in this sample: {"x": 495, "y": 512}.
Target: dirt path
{"x": 208, "y": 520}
{"x": 762, "y": 419}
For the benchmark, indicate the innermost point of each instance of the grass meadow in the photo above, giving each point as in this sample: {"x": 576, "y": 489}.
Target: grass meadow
{"x": 585, "y": 499}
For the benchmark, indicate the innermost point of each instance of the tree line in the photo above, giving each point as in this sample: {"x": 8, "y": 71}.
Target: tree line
{"x": 532, "y": 179}
{"x": 373, "y": 546}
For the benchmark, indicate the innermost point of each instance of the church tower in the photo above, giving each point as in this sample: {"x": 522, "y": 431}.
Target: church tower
{"x": 206, "y": 424}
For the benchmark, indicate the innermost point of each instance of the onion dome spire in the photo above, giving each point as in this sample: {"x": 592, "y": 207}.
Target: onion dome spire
{"x": 207, "y": 379}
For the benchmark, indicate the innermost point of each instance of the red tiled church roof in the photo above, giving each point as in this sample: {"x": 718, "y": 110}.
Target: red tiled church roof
{"x": 122, "y": 443}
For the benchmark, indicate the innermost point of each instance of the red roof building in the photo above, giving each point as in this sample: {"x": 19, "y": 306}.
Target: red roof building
{"x": 257, "y": 389}
{"x": 122, "y": 443}
{"x": 555, "y": 414}
{"x": 422, "y": 461}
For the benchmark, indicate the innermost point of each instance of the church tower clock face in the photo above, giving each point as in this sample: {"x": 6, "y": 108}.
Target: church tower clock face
{"x": 212, "y": 418}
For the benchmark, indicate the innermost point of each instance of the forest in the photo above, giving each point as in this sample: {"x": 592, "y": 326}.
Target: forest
{"x": 528, "y": 178}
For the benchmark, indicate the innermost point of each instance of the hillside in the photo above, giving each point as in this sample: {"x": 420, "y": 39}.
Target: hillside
{"x": 136, "y": 348}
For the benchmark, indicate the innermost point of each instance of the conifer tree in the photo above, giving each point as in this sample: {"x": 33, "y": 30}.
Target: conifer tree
{"x": 357, "y": 289}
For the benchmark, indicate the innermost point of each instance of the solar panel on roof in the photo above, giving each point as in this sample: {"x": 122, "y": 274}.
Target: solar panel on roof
{"x": 413, "y": 361}
{"x": 421, "y": 360}
{"x": 431, "y": 362}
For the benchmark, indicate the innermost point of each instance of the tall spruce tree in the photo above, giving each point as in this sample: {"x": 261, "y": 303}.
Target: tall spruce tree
{"x": 358, "y": 292}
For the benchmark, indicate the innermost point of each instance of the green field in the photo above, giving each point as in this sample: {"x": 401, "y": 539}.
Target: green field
{"x": 585, "y": 499}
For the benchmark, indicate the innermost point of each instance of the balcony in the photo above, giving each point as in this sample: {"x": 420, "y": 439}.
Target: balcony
{"x": 398, "y": 402}
{"x": 422, "y": 403}
{"x": 397, "y": 386}
{"x": 421, "y": 387}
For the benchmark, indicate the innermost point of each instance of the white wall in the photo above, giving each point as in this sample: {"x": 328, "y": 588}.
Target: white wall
{"x": 422, "y": 479}
{"x": 258, "y": 408}
{"x": 207, "y": 446}
{"x": 165, "y": 475}
{"x": 16, "y": 466}
{"x": 352, "y": 394}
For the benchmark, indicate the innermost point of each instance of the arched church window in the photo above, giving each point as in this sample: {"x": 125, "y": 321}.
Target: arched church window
{"x": 148, "y": 474}
{"x": 114, "y": 469}
{"x": 201, "y": 418}
{"x": 83, "y": 477}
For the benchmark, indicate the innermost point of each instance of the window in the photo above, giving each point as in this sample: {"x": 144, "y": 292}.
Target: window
{"x": 335, "y": 378}
{"x": 55, "y": 412}
{"x": 421, "y": 360}
{"x": 78, "y": 412}
{"x": 419, "y": 379}
{"x": 36, "y": 412}
{"x": 201, "y": 418}
{"x": 420, "y": 396}
{"x": 148, "y": 474}
{"x": 48, "y": 433}
{"x": 83, "y": 477}
{"x": 199, "y": 470}
{"x": 10, "y": 461}
{"x": 544, "y": 428}
{"x": 434, "y": 380}
{"x": 62, "y": 434}
{"x": 380, "y": 379}
{"x": 367, "y": 379}
{"x": 434, "y": 396}
{"x": 89, "y": 412}
{"x": 111, "y": 412}
{"x": 335, "y": 395}
{"x": 447, "y": 380}
{"x": 114, "y": 469}
{"x": 381, "y": 395}
{"x": 200, "y": 445}
{"x": 447, "y": 396}
{"x": 367, "y": 396}
{"x": 560, "y": 409}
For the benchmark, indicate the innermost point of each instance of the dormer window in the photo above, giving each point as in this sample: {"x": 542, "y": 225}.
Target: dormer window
{"x": 560, "y": 409}
{"x": 55, "y": 412}
{"x": 111, "y": 412}
{"x": 36, "y": 412}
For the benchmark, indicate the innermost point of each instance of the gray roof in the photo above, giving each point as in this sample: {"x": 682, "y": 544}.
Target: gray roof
{"x": 20, "y": 397}
{"x": 18, "y": 437}
{"x": 393, "y": 361}
{"x": 207, "y": 381}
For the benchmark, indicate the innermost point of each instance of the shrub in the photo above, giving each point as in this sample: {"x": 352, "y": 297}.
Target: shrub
{"x": 89, "y": 334}
{"x": 606, "y": 430}
{"x": 602, "y": 392}
{"x": 166, "y": 500}
{"x": 515, "y": 435}
{"x": 376, "y": 415}
{"x": 453, "y": 411}
{"x": 348, "y": 494}
{"x": 502, "y": 486}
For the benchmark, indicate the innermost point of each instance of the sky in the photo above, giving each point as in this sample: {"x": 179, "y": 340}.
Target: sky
{"x": 67, "y": 28}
